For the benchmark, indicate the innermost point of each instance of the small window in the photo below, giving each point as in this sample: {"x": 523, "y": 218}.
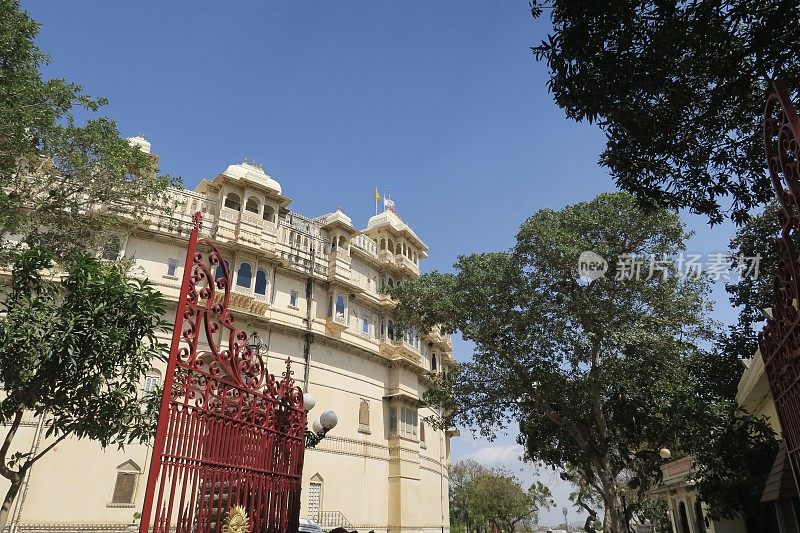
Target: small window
{"x": 232, "y": 201}
{"x": 422, "y": 431}
{"x": 408, "y": 422}
{"x": 269, "y": 213}
{"x": 244, "y": 276}
{"x": 151, "y": 381}
{"x": 363, "y": 417}
{"x": 125, "y": 484}
{"x": 251, "y": 205}
{"x": 392, "y": 419}
{"x": 433, "y": 363}
{"x": 293, "y": 298}
{"x": 220, "y": 271}
{"x": 365, "y": 325}
{"x": 172, "y": 267}
{"x": 261, "y": 282}
{"x": 390, "y": 330}
{"x": 339, "y": 306}
{"x": 112, "y": 248}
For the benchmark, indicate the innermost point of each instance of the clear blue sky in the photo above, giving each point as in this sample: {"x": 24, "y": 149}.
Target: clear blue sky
{"x": 441, "y": 102}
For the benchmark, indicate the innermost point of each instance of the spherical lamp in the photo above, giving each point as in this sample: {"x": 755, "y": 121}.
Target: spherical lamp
{"x": 316, "y": 427}
{"x": 309, "y": 401}
{"x": 665, "y": 453}
{"x": 328, "y": 419}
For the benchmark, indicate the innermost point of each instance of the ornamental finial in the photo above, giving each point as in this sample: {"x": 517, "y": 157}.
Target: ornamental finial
{"x": 197, "y": 219}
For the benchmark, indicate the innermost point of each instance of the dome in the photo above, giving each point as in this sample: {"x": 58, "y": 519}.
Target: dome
{"x": 140, "y": 142}
{"x": 252, "y": 172}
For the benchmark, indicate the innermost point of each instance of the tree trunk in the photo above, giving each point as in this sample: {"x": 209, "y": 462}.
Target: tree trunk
{"x": 614, "y": 520}
{"x": 11, "y": 495}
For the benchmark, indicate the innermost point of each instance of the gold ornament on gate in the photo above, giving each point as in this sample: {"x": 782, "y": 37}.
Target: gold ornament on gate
{"x": 236, "y": 521}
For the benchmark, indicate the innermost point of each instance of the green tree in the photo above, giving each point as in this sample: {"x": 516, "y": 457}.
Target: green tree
{"x": 75, "y": 348}
{"x": 678, "y": 88}
{"x": 60, "y": 179}
{"x": 461, "y": 476}
{"x": 76, "y": 336}
{"x": 596, "y": 374}
{"x": 498, "y": 498}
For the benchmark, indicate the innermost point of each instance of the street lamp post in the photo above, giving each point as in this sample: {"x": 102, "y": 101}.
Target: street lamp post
{"x": 320, "y": 427}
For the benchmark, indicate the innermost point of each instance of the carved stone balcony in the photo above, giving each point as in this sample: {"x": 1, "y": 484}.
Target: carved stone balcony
{"x": 406, "y": 265}
{"x": 242, "y": 298}
{"x": 336, "y": 325}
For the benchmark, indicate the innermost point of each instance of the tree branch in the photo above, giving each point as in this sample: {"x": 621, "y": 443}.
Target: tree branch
{"x": 52, "y": 445}
{"x": 5, "y": 471}
{"x": 548, "y": 410}
{"x": 597, "y": 403}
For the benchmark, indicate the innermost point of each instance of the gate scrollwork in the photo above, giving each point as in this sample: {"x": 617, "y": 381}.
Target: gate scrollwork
{"x": 229, "y": 432}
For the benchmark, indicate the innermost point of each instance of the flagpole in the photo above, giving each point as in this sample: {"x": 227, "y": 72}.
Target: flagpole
{"x": 376, "y": 200}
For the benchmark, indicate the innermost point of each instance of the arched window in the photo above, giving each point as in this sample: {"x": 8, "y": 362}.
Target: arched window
{"x": 390, "y": 282}
{"x": 365, "y": 325}
{"x": 398, "y": 249}
{"x": 232, "y": 201}
{"x": 383, "y": 328}
{"x": 252, "y": 205}
{"x": 383, "y": 244}
{"x": 244, "y": 276}
{"x": 269, "y": 213}
{"x": 112, "y": 248}
{"x": 343, "y": 242}
{"x": 363, "y": 416}
{"x": 391, "y": 245}
{"x": 261, "y": 282}
{"x": 220, "y": 272}
{"x": 390, "y": 330}
{"x": 339, "y": 306}
{"x": 433, "y": 362}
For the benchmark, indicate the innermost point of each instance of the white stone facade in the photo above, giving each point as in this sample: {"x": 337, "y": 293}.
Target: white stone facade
{"x": 382, "y": 468}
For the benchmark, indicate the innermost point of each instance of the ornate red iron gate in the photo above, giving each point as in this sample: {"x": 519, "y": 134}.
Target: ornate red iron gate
{"x": 229, "y": 433}
{"x": 780, "y": 340}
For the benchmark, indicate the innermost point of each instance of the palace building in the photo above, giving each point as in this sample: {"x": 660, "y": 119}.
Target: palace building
{"x": 311, "y": 289}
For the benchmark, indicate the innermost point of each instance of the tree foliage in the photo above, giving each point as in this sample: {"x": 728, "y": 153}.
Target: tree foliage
{"x": 481, "y": 496}
{"x": 597, "y": 375}
{"x": 679, "y": 90}
{"x": 59, "y": 178}
{"x": 76, "y": 336}
{"x": 75, "y": 348}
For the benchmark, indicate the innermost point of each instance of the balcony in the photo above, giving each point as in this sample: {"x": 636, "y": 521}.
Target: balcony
{"x": 406, "y": 265}
{"x": 336, "y": 325}
{"x": 243, "y": 299}
{"x": 442, "y": 340}
{"x": 408, "y": 351}
{"x": 399, "y": 349}
{"x": 365, "y": 246}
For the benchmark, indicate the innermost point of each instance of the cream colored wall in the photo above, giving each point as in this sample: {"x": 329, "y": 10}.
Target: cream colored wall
{"x": 376, "y": 480}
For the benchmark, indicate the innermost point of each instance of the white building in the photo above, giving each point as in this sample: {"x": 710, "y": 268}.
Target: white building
{"x": 311, "y": 289}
